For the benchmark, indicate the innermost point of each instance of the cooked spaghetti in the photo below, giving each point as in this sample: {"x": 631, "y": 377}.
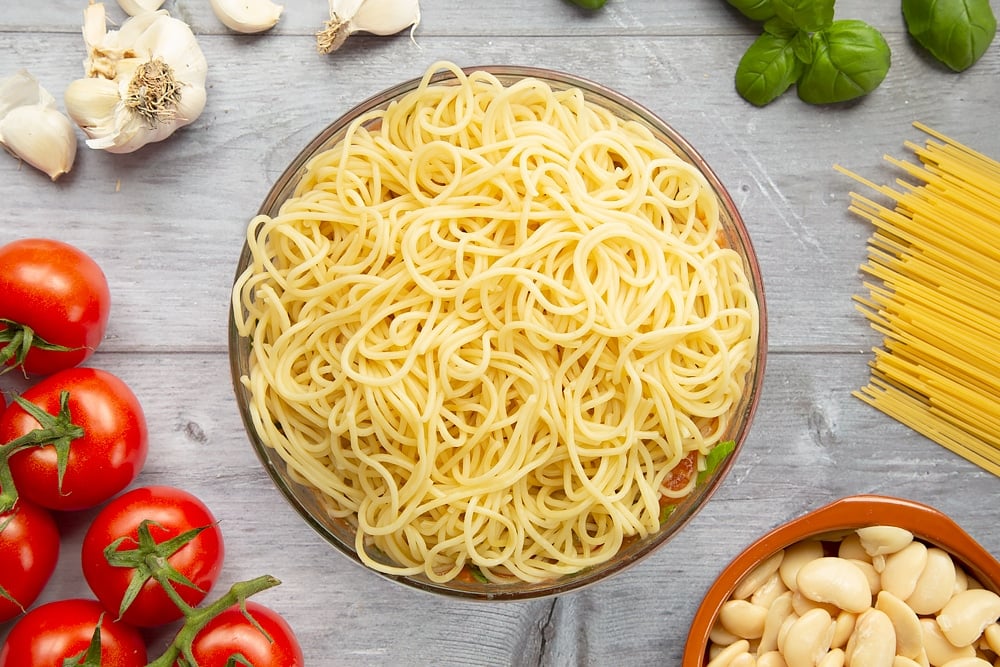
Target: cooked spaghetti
{"x": 935, "y": 263}
{"x": 491, "y": 326}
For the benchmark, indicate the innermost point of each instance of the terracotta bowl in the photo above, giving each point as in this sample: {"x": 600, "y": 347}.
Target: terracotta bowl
{"x": 927, "y": 524}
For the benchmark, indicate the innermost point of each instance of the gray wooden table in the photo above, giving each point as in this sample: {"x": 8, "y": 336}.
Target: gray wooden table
{"x": 167, "y": 223}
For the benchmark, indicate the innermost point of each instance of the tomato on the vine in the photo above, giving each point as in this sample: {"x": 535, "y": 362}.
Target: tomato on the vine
{"x": 54, "y": 305}
{"x": 100, "y": 464}
{"x": 29, "y": 551}
{"x": 55, "y": 631}
{"x": 231, "y": 633}
{"x": 164, "y": 513}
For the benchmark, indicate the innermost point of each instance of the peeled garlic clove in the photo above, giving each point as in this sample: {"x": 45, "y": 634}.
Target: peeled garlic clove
{"x": 32, "y": 129}
{"x": 378, "y": 17}
{"x": 136, "y": 7}
{"x": 247, "y": 16}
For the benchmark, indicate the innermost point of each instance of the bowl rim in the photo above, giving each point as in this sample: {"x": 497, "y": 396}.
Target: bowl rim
{"x": 927, "y": 523}
{"x": 743, "y": 416}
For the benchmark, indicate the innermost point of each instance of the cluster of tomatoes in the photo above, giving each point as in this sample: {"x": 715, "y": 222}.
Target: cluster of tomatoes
{"x": 76, "y": 439}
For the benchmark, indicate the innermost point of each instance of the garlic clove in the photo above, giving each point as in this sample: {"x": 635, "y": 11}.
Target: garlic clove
{"x": 386, "y": 17}
{"x": 32, "y": 129}
{"x": 90, "y": 102}
{"x": 378, "y": 17}
{"x": 247, "y": 16}
{"x": 41, "y": 136}
{"x": 21, "y": 89}
{"x": 136, "y": 7}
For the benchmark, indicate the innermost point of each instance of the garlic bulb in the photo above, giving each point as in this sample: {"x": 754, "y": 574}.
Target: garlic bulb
{"x": 143, "y": 81}
{"x": 31, "y": 127}
{"x": 136, "y": 7}
{"x": 379, "y": 17}
{"x": 247, "y": 16}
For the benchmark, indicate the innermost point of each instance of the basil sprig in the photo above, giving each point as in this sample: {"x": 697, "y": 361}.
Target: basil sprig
{"x": 829, "y": 61}
{"x": 956, "y": 32}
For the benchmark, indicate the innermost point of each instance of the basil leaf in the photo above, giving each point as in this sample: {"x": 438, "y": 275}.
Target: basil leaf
{"x": 850, "y": 59}
{"x": 780, "y": 28}
{"x": 767, "y": 69}
{"x": 715, "y": 457}
{"x": 802, "y": 46}
{"x": 757, "y": 10}
{"x": 956, "y": 32}
{"x": 806, "y": 15}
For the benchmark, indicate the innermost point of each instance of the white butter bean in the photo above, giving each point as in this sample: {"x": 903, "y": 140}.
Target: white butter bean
{"x": 843, "y": 629}
{"x": 743, "y": 660}
{"x": 874, "y": 577}
{"x": 909, "y": 637}
{"x": 882, "y": 540}
{"x": 961, "y": 581}
{"x": 726, "y": 656}
{"x": 719, "y": 635}
{"x": 850, "y": 548}
{"x": 768, "y": 592}
{"x": 808, "y": 639}
{"x": 967, "y": 662}
{"x": 837, "y": 581}
{"x": 966, "y": 615}
{"x": 796, "y": 556}
{"x": 758, "y": 576}
{"x": 900, "y": 661}
{"x": 936, "y": 584}
{"x": 834, "y": 658}
{"x": 939, "y": 650}
{"x": 771, "y": 659}
{"x": 777, "y": 613}
{"x": 873, "y": 643}
{"x": 801, "y": 604}
{"x": 743, "y": 619}
{"x": 903, "y": 568}
{"x": 785, "y": 627}
{"x": 992, "y": 636}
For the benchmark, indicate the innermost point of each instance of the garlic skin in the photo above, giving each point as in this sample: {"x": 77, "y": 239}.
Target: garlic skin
{"x": 136, "y": 7}
{"x": 247, "y": 16}
{"x": 32, "y": 129}
{"x": 143, "y": 81}
{"x": 379, "y": 17}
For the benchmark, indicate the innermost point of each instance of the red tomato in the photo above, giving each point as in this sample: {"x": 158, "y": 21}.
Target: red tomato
{"x": 52, "y": 632}
{"x": 230, "y": 633}
{"x": 174, "y": 512}
{"x": 60, "y": 294}
{"x": 103, "y": 462}
{"x": 29, "y": 550}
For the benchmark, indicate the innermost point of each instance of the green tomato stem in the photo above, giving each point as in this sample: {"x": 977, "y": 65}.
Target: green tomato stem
{"x": 195, "y": 619}
{"x": 57, "y": 430}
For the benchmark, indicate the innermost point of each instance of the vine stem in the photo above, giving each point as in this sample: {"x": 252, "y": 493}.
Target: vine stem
{"x": 196, "y": 618}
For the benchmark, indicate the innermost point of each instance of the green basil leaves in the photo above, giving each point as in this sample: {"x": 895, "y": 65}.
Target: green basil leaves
{"x": 850, "y": 59}
{"x": 829, "y": 61}
{"x": 768, "y": 68}
{"x": 956, "y": 32}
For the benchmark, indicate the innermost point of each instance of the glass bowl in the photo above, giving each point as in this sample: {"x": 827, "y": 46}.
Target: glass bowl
{"x": 833, "y": 522}
{"x": 339, "y": 532}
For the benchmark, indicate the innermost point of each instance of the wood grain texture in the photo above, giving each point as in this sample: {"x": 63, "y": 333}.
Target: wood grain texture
{"x": 167, "y": 224}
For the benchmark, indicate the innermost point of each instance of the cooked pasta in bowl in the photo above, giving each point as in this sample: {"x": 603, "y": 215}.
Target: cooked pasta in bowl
{"x": 497, "y": 332}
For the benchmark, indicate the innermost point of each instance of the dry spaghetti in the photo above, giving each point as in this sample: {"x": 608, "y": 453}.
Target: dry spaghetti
{"x": 490, "y": 325}
{"x": 935, "y": 263}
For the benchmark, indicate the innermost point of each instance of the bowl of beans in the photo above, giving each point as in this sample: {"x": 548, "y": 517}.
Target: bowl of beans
{"x": 866, "y": 580}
